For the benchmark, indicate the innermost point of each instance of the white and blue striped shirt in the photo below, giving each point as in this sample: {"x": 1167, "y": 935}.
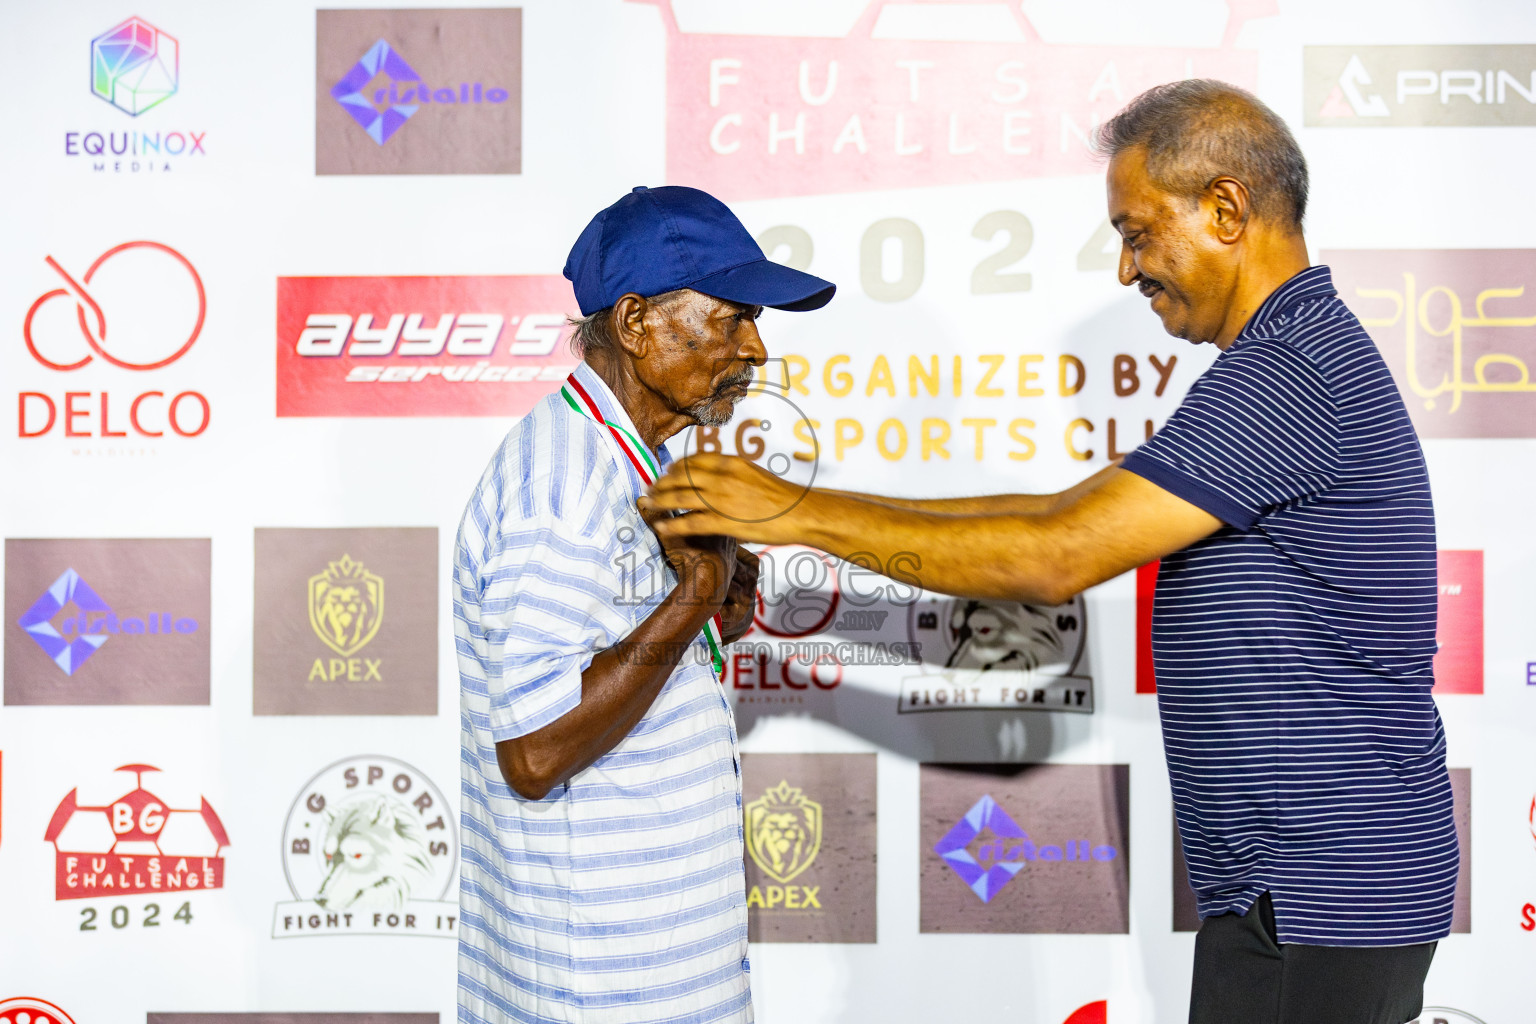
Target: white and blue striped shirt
{"x": 1293, "y": 646}
{"x": 620, "y": 896}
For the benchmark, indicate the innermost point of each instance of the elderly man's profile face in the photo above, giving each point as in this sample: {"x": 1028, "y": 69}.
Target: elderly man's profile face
{"x": 1168, "y": 250}
{"x": 702, "y": 355}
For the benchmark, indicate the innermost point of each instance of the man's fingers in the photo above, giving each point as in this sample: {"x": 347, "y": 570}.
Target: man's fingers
{"x": 694, "y": 524}
{"x": 650, "y": 511}
{"x": 746, "y": 555}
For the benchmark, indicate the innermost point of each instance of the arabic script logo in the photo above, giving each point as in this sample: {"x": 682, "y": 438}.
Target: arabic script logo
{"x": 114, "y": 847}
{"x": 135, "y": 66}
{"x": 363, "y": 90}
{"x": 783, "y": 831}
{"x": 30, "y": 1010}
{"x": 346, "y": 606}
{"x": 94, "y": 328}
{"x": 68, "y": 654}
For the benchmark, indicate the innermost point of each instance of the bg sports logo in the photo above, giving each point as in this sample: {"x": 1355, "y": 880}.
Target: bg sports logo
{"x": 420, "y": 346}
{"x": 369, "y": 848}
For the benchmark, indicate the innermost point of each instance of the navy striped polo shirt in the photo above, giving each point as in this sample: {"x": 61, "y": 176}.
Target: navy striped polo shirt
{"x": 1293, "y": 646}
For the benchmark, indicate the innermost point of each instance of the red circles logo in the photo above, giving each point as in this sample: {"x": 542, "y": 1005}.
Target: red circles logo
{"x": 93, "y": 327}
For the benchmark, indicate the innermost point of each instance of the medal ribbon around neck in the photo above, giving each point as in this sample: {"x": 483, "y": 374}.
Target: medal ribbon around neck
{"x": 639, "y": 456}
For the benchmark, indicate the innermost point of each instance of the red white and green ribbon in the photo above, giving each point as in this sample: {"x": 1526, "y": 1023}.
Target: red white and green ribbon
{"x": 640, "y": 457}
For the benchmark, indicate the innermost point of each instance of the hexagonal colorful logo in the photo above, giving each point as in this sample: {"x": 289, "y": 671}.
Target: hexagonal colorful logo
{"x": 135, "y": 66}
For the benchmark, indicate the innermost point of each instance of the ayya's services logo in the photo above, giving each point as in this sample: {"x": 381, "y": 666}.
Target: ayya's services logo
{"x": 418, "y": 91}
{"x": 369, "y": 848}
{"x": 810, "y": 839}
{"x": 328, "y": 642}
{"x": 107, "y": 621}
{"x": 1025, "y": 849}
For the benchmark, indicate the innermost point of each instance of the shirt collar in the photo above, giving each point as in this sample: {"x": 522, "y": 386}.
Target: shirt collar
{"x": 1312, "y": 283}
{"x": 612, "y": 411}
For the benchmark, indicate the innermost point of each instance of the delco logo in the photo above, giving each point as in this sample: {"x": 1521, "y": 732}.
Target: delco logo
{"x": 420, "y": 346}
{"x": 30, "y": 1010}
{"x": 136, "y": 844}
{"x": 153, "y": 299}
{"x": 1412, "y": 86}
{"x": 987, "y": 849}
{"x": 71, "y": 639}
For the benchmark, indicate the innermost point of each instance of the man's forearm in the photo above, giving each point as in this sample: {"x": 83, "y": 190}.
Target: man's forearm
{"x": 617, "y": 689}
{"x": 990, "y": 504}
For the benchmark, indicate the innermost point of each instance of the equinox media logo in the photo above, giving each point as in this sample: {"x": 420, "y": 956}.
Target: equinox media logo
{"x": 135, "y": 66}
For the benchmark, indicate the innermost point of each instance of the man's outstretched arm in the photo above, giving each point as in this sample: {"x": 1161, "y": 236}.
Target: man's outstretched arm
{"x": 1038, "y": 558}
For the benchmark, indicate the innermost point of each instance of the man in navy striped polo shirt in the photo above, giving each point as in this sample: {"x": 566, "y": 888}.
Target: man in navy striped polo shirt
{"x": 1294, "y": 623}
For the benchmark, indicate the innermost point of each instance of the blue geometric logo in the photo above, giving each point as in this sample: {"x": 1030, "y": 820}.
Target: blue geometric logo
{"x": 67, "y": 654}
{"x": 985, "y": 882}
{"x": 366, "y": 110}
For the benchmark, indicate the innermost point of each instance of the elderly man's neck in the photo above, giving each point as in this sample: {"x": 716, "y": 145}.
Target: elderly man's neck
{"x": 652, "y": 416}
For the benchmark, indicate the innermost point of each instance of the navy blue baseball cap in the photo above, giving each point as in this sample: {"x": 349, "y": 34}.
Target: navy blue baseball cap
{"x": 658, "y": 240}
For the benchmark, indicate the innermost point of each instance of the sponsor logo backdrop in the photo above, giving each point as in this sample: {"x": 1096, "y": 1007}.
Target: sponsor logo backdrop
{"x": 263, "y": 330}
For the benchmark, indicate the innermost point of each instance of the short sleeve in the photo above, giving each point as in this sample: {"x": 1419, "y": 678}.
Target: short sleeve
{"x": 551, "y": 599}
{"x": 1257, "y": 431}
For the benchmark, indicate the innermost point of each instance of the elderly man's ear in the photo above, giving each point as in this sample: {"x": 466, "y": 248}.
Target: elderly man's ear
{"x": 629, "y": 325}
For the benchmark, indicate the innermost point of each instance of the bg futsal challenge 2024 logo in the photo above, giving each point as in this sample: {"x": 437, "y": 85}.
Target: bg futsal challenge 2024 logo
{"x": 133, "y": 846}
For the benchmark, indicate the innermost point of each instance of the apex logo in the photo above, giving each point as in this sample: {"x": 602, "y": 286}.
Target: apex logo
{"x": 346, "y": 606}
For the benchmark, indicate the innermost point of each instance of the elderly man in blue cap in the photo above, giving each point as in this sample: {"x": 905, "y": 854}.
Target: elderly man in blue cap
{"x": 602, "y": 833}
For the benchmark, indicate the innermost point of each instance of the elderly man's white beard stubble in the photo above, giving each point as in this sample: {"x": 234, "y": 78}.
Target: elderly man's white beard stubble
{"x": 717, "y": 410}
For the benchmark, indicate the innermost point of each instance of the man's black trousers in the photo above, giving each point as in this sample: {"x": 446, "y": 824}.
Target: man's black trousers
{"x": 1244, "y": 976}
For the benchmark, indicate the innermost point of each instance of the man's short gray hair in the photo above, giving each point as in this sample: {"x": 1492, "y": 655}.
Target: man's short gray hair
{"x": 1199, "y": 130}
{"x": 594, "y": 332}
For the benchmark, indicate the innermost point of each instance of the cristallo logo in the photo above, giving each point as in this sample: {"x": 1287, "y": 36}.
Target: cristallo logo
{"x": 783, "y": 831}
{"x": 346, "y": 606}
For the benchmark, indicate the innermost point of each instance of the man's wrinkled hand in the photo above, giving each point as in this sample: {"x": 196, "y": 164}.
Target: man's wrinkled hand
{"x": 741, "y": 599}
{"x": 705, "y": 564}
{"x": 717, "y": 494}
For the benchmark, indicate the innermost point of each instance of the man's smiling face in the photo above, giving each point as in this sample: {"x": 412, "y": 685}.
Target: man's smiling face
{"x": 1168, "y": 250}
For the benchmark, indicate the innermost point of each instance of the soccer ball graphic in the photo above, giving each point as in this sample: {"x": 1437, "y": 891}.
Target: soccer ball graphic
{"x": 138, "y": 822}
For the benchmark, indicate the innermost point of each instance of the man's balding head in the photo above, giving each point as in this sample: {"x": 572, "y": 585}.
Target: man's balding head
{"x": 1196, "y": 131}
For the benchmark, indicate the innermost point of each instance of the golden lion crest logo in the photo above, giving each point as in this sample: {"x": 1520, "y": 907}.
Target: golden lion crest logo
{"x": 346, "y": 606}
{"x": 783, "y": 831}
